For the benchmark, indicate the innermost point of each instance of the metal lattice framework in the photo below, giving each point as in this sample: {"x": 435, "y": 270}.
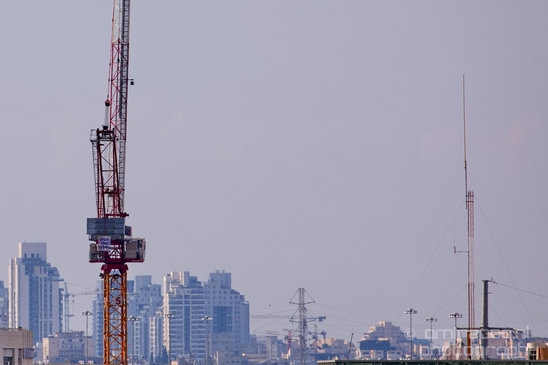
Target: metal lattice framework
{"x": 109, "y": 142}
{"x": 107, "y": 182}
{"x": 302, "y": 322}
{"x": 109, "y": 160}
{"x": 471, "y": 300}
{"x": 115, "y": 316}
{"x": 470, "y": 210}
{"x": 118, "y": 89}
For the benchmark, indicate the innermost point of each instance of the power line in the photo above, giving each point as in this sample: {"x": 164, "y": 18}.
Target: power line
{"x": 517, "y": 301}
{"x": 507, "y": 268}
{"x": 428, "y": 263}
{"x": 522, "y": 290}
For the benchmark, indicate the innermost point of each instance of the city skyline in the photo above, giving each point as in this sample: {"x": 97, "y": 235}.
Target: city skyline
{"x": 278, "y": 317}
{"x": 312, "y": 144}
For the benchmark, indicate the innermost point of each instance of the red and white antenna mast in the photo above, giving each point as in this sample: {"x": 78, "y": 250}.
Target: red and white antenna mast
{"x": 470, "y": 210}
{"x": 112, "y": 242}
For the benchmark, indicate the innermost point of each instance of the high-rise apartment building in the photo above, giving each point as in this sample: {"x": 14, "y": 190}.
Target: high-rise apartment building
{"x": 35, "y": 300}
{"x": 156, "y": 336}
{"x": 97, "y": 320}
{"x": 143, "y": 304}
{"x": 229, "y": 313}
{"x": 190, "y": 306}
{"x": 184, "y": 312}
{"x": 3, "y": 306}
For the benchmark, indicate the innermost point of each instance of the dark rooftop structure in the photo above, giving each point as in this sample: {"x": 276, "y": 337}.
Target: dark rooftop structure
{"x": 433, "y": 362}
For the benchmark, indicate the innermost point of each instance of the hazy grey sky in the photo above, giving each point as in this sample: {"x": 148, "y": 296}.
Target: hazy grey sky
{"x": 313, "y": 144}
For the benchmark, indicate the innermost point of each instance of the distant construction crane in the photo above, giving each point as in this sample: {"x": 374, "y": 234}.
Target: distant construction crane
{"x": 112, "y": 244}
{"x": 288, "y": 338}
{"x": 66, "y": 307}
{"x": 324, "y": 334}
{"x": 66, "y": 310}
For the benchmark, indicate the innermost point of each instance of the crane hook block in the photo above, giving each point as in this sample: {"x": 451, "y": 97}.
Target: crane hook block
{"x": 107, "y": 102}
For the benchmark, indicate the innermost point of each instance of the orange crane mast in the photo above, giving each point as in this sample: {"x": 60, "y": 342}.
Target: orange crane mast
{"x": 112, "y": 243}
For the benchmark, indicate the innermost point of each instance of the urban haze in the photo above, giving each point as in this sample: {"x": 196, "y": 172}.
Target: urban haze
{"x": 311, "y": 144}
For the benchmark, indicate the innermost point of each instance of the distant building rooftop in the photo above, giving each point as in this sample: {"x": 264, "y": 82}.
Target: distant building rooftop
{"x": 432, "y": 362}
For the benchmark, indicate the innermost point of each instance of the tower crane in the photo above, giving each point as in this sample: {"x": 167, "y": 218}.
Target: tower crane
{"x": 66, "y": 311}
{"x": 112, "y": 243}
{"x": 67, "y": 314}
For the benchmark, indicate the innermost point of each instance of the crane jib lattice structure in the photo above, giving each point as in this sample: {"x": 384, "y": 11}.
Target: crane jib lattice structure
{"x": 112, "y": 243}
